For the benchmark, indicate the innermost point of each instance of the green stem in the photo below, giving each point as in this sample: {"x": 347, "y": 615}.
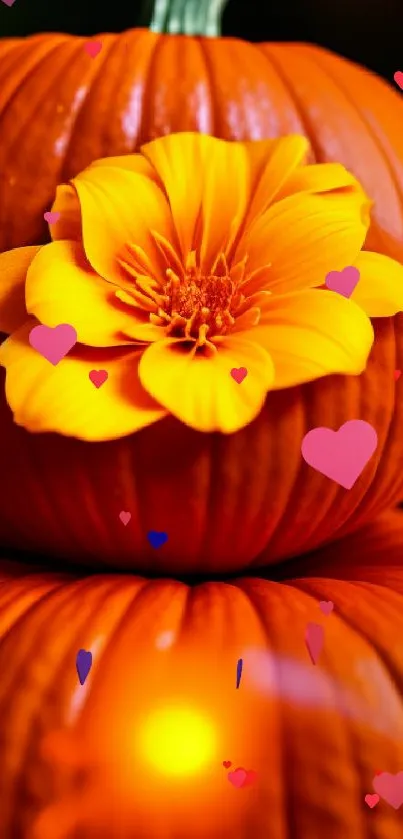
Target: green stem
{"x": 183, "y": 17}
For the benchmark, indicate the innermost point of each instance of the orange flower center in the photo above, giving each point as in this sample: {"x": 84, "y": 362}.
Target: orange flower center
{"x": 200, "y": 304}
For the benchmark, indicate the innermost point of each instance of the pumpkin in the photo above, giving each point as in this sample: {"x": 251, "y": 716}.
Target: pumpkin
{"x": 60, "y": 109}
{"x": 226, "y": 502}
{"x": 159, "y": 712}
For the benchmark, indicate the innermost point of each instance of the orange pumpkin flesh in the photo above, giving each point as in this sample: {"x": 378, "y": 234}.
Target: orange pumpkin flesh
{"x": 227, "y": 502}
{"x": 315, "y": 734}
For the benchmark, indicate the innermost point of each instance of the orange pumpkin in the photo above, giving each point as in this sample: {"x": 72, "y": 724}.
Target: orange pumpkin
{"x": 60, "y": 109}
{"x": 160, "y": 712}
{"x": 227, "y": 503}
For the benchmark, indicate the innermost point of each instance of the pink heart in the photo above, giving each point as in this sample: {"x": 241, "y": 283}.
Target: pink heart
{"x": 239, "y": 374}
{"x": 92, "y": 48}
{"x": 53, "y": 343}
{"x": 125, "y": 517}
{"x": 314, "y": 639}
{"x": 343, "y": 282}
{"x": 340, "y": 455}
{"x": 398, "y": 77}
{"x": 326, "y": 606}
{"x": 51, "y": 218}
{"x": 242, "y": 777}
{"x": 397, "y": 375}
{"x": 371, "y": 800}
{"x": 98, "y": 377}
{"x": 8, "y": 2}
{"x": 227, "y": 763}
{"x": 390, "y": 788}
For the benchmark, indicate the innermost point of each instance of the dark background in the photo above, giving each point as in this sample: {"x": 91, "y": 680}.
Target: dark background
{"x": 367, "y": 31}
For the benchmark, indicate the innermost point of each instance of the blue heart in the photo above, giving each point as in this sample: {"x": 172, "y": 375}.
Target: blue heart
{"x": 157, "y": 539}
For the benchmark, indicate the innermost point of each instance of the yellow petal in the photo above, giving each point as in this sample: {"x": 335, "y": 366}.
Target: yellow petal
{"x": 304, "y": 237}
{"x": 282, "y": 158}
{"x": 121, "y": 208}
{"x": 67, "y": 203}
{"x": 200, "y": 391}
{"x": 379, "y": 291}
{"x": 311, "y": 334}
{"x": 61, "y": 287}
{"x": 207, "y": 175}
{"x": 13, "y": 270}
{"x": 320, "y": 177}
{"x": 62, "y": 399}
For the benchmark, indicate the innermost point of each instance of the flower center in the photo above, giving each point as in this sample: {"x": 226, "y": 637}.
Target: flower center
{"x": 199, "y": 305}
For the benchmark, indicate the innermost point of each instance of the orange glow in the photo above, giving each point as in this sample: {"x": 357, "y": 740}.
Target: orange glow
{"x": 177, "y": 741}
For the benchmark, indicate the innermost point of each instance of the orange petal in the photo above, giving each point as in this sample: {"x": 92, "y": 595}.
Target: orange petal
{"x": 62, "y": 399}
{"x": 13, "y": 270}
{"x": 320, "y": 177}
{"x": 61, "y": 287}
{"x": 199, "y": 389}
{"x": 68, "y": 225}
{"x": 304, "y": 237}
{"x": 207, "y": 175}
{"x": 379, "y": 291}
{"x": 283, "y": 156}
{"x": 120, "y": 208}
{"x": 312, "y": 334}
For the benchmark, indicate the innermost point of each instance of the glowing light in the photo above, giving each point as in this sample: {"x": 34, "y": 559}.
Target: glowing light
{"x": 177, "y": 741}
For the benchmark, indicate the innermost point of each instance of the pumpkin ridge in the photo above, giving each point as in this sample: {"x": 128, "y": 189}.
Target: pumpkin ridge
{"x": 315, "y": 58}
{"x": 316, "y": 154}
{"x": 145, "y": 130}
{"x": 211, "y": 83}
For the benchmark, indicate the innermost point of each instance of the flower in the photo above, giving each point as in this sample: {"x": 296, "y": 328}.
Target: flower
{"x": 180, "y": 263}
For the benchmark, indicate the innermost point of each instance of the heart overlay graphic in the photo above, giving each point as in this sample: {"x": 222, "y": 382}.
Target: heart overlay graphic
{"x": 340, "y": 455}
{"x": 390, "y": 788}
{"x": 241, "y": 777}
{"x": 343, "y": 282}
{"x": 53, "y": 343}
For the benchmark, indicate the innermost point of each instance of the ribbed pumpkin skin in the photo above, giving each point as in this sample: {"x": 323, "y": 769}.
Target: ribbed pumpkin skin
{"x": 315, "y": 734}
{"x": 61, "y": 109}
{"x": 227, "y": 503}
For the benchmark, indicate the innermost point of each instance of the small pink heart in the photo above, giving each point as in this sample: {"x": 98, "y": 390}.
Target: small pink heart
{"x": 125, "y": 517}
{"x": 237, "y": 778}
{"x": 8, "y": 2}
{"x": 343, "y": 282}
{"x": 390, "y": 788}
{"x": 239, "y": 374}
{"x": 53, "y": 343}
{"x": 227, "y": 763}
{"x": 314, "y": 639}
{"x": 92, "y": 48}
{"x": 398, "y": 77}
{"x": 371, "y": 800}
{"x": 51, "y": 218}
{"x": 397, "y": 375}
{"x": 326, "y": 606}
{"x": 98, "y": 377}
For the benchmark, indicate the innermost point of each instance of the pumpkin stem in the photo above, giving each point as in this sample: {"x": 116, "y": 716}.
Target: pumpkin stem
{"x": 183, "y": 17}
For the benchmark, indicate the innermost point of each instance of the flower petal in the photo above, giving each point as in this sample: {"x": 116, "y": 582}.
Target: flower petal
{"x": 61, "y": 287}
{"x": 283, "y": 156}
{"x": 68, "y": 226}
{"x": 311, "y": 334}
{"x": 203, "y": 174}
{"x": 62, "y": 399}
{"x": 304, "y": 237}
{"x": 320, "y": 177}
{"x": 13, "y": 270}
{"x": 121, "y": 208}
{"x": 379, "y": 290}
{"x": 199, "y": 389}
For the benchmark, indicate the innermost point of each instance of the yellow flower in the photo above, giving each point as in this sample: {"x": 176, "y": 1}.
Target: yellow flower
{"x": 179, "y": 264}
